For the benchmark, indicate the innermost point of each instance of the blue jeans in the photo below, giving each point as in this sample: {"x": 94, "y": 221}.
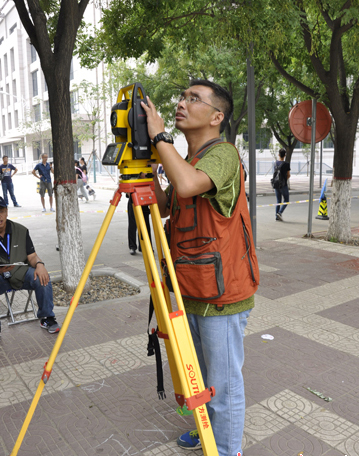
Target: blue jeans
{"x": 43, "y": 294}
{"x": 219, "y": 345}
{"x": 8, "y": 187}
{"x": 279, "y": 193}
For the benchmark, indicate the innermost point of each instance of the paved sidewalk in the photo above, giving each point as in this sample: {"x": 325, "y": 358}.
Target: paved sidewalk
{"x": 101, "y": 398}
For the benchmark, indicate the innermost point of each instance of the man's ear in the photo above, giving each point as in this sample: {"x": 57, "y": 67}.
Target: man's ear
{"x": 217, "y": 119}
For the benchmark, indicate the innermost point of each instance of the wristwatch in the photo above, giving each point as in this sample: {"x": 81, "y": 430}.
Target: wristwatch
{"x": 164, "y": 136}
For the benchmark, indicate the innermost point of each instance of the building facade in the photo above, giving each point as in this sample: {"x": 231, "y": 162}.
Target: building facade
{"x": 25, "y": 130}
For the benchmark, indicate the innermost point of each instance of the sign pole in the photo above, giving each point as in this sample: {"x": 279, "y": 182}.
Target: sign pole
{"x": 312, "y": 121}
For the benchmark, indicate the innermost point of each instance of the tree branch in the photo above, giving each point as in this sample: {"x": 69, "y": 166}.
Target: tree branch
{"x": 291, "y": 79}
{"x": 26, "y": 21}
{"x": 316, "y": 62}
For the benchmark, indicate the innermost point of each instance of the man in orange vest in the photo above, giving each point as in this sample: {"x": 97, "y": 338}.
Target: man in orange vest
{"x": 212, "y": 249}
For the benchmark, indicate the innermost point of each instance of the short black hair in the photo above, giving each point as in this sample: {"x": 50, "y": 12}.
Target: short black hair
{"x": 5, "y": 156}
{"x": 77, "y": 163}
{"x": 220, "y": 96}
{"x": 282, "y": 153}
{"x": 82, "y": 158}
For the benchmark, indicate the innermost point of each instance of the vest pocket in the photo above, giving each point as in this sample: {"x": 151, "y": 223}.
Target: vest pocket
{"x": 200, "y": 276}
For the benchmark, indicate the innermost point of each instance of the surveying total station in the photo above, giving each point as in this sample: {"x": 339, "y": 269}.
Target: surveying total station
{"x": 133, "y": 153}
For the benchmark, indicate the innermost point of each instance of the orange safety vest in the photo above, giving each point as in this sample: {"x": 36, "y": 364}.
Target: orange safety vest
{"x": 213, "y": 255}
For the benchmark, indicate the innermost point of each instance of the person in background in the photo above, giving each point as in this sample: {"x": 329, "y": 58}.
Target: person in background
{"x": 80, "y": 181}
{"x": 284, "y": 169}
{"x": 8, "y": 172}
{"x": 32, "y": 275}
{"x": 44, "y": 169}
{"x": 85, "y": 179}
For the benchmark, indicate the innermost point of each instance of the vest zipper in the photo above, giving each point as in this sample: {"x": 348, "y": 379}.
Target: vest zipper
{"x": 247, "y": 241}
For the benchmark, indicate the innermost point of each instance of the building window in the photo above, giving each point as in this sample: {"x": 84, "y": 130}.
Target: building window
{"x": 12, "y": 59}
{"x": 12, "y": 29}
{"x": 14, "y": 91}
{"x": 46, "y": 88}
{"x": 1, "y": 40}
{"x": 33, "y": 53}
{"x": 16, "y": 119}
{"x": 77, "y": 150}
{"x": 35, "y": 90}
{"x": 47, "y": 107}
{"x": 3, "y": 125}
{"x": 36, "y": 150}
{"x": 8, "y": 94}
{"x": 2, "y": 100}
{"x": 8, "y": 150}
{"x": 9, "y": 121}
{"x": 0, "y": 71}
{"x": 37, "y": 113}
{"x": 50, "y": 152}
{"x": 5, "y": 65}
{"x": 17, "y": 150}
{"x": 74, "y": 100}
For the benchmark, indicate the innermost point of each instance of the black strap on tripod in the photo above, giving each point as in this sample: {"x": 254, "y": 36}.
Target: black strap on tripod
{"x": 153, "y": 348}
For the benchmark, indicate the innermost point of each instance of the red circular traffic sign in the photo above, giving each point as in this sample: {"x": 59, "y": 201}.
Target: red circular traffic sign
{"x": 299, "y": 118}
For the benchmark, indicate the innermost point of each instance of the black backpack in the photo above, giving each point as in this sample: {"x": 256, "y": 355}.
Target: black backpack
{"x": 277, "y": 180}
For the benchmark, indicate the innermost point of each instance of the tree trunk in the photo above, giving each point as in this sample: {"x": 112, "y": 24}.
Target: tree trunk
{"x": 67, "y": 209}
{"x": 339, "y": 216}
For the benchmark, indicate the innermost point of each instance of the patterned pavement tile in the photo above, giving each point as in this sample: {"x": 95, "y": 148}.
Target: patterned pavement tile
{"x": 258, "y": 450}
{"x": 350, "y": 446}
{"x": 347, "y": 406}
{"x": 289, "y": 405}
{"x": 168, "y": 449}
{"x": 291, "y": 441}
{"x": 114, "y": 357}
{"x": 347, "y": 313}
{"x": 256, "y": 325}
{"x": 261, "y": 422}
{"x": 81, "y": 367}
{"x": 293, "y": 311}
{"x": 324, "y": 336}
{"x": 328, "y": 427}
{"x": 12, "y": 389}
{"x": 348, "y": 345}
{"x": 137, "y": 346}
{"x": 298, "y": 326}
{"x": 32, "y": 371}
{"x": 258, "y": 387}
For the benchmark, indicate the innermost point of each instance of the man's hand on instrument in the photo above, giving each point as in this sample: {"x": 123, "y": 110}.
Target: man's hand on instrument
{"x": 155, "y": 123}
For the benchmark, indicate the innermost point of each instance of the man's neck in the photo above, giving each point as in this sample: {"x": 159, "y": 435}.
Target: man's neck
{"x": 195, "y": 140}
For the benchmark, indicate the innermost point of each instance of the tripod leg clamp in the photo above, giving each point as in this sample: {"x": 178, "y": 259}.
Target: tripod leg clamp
{"x": 196, "y": 400}
{"x": 46, "y": 374}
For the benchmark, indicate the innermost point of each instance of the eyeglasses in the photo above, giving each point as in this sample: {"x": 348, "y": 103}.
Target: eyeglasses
{"x": 191, "y": 99}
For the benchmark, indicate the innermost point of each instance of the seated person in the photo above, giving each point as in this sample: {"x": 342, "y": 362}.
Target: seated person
{"x": 16, "y": 246}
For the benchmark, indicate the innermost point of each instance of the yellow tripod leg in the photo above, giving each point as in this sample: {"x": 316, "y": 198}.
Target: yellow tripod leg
{"x": 175, "y": 324}
{"x": 154, "y": 294}
{"x": 65, "y": 325}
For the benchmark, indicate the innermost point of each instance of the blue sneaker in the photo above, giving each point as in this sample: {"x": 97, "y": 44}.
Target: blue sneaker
{"x": 189, "y": 441}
